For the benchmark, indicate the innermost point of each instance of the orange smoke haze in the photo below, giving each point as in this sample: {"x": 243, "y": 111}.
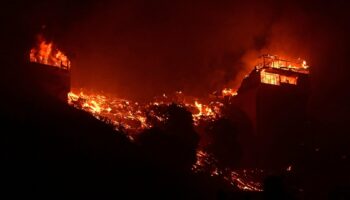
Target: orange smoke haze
{"x": 139, "y": 49}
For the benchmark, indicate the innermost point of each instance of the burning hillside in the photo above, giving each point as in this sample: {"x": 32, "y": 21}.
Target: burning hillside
{"x": 133, "y": 118}
{"x": 177, "y": 97}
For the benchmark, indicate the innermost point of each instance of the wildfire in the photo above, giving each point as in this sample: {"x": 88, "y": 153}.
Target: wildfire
{"x": 132, "y": 116}
{"x": 272, "y": 61}
{"x": 270, "y": 65}
{"x": 243, "y": 180}
{"x": 304, "y": 65}
{"x": 204, "y": 112}
{"x": 119, "y": 112}
{"x": 269, "y": 78}
{"x": 229, "y": 92}
{"x": 46, "y": 53}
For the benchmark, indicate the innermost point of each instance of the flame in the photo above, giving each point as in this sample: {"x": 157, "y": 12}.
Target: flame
{"x": 269, "y": 78}
{"x": 304, "y": 65}
{"x": 243, "y": 180}
{"x": 229, "y": 92}
{"x": 287, "y": 64}
{"x": 133, "y": 115}
{"x": 204, "y": 111}
{"x": 44, "y": 53}
{"x": 272, "y": 61}
{"x": 119, "y": 112}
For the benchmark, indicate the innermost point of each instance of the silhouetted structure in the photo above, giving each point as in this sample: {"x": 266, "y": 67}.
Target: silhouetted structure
{"x": 53, "y": 81}
{"x": 274, "y": 96}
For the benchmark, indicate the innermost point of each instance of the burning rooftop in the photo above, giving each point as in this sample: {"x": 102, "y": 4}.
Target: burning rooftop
{"x": 46, "y": 53}
{"x": 274, "y": 96}
{"x": 48, "y": 70}
{"x": 278, "y": 71}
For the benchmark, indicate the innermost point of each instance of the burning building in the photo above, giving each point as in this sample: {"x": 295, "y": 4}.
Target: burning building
{"x": 48, "y": 71}
{"x": 274, "y": 96}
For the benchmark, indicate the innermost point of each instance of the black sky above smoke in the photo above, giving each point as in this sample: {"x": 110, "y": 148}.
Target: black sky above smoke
{"x": 138, "y": 49}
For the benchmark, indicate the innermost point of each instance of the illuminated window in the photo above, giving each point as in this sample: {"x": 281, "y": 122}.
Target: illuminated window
{"x": 289, "y": 79}
{"x": 269, "y": 78}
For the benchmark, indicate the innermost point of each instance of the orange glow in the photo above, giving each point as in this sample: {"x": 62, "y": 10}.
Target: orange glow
{"x": 204, "y": 112}
{"x": 272, "y": 61}
{"x": 304, "y": 65}
{"x": 132, "y": 115}
{"x": 119, "y": 112}
{"x": 275, "y": 63}
{"x": 44, "y": 53}
{"x": 228, "y": 92}
{"x": 269, "y": 78}
{"x": 242, "y": 180}
{"x": 289, "y": 79}
{"x": 277, "y": 79}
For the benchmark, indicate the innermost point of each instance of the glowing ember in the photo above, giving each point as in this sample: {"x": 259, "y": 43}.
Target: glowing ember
{"x": 45, "y": 53}
{"x": 119, "y": 112}
{"x": 132, "y": 116}
{"x": 204, "y": 112}
{"x": 304, "y": 65}
{"x": 289, "y": 79}
{"x": 228, "y": 92}
{"x": 243, "y": 180}
{"x": 270, "y": 65}
{"x": 269, "y": 78}
{"x": 272, "y": 61}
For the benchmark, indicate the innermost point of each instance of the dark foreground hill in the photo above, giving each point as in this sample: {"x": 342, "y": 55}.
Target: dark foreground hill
{"x": 49, "y": 149}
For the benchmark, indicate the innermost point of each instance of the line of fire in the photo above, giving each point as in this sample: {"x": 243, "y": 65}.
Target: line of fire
{"x": 272, "y": 99}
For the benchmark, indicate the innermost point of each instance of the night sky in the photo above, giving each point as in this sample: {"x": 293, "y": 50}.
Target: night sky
{"x": 138, "y": 49}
